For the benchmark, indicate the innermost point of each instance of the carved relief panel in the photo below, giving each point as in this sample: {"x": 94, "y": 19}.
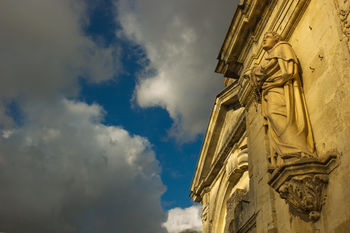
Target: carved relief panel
{"x": 240, "y": 217}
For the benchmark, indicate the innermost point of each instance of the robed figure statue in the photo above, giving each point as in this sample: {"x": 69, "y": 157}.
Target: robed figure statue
{"x": 277, "y": 81}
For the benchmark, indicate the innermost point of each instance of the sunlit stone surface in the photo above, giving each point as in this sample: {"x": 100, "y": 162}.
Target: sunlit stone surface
{"x": 288, "y": 171}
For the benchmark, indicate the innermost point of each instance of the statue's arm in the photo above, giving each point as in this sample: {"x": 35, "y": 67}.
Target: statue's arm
{"x": 287, "y": 69}
{"x": 252, "y": 75}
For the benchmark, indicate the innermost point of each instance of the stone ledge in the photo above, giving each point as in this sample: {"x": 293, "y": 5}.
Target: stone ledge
{"x": 303, "y": 185}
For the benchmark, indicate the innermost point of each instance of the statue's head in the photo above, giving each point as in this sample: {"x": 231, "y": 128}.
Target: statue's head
{"x": 271, "y": 38}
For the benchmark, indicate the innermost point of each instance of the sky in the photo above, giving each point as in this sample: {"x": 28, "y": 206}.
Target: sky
{"x": 103, "y": 109}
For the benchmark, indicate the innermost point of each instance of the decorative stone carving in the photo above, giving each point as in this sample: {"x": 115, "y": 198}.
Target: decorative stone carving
{"x": 305, "y": 194}
{"x": 205, "y": 204}
{"x": 233, "y": 217}
{"x": 343, "y": 10}
{"x": 240, "y": 216}
{"x": 237, "y": 164}
{"x": 303, "y": 185}
{"x": 277, "y": 82}
{"x": 205, "y": 211}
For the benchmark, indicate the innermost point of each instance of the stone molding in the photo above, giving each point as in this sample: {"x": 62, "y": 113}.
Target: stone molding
{"x": 284, "y": 23}
{"x": 249, "y": 23}
{"x": 236, "y": 165}
{"x": 249, "y": 225}
{"x": 227, "y": 97}
{"x": 303, "y": 185}
{"x": 244, "y": 21}
{"x": 205, "y": 203}
{"x": 211, "y": 161}
{"x": 220, "y": 160}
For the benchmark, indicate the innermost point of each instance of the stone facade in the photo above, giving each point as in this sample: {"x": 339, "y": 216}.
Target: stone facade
{"x": 306, "y": 191}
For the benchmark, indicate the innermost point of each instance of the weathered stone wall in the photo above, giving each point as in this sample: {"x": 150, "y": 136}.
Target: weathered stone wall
{"x": 264, "y": 204}
{"x": 325, "y": 59}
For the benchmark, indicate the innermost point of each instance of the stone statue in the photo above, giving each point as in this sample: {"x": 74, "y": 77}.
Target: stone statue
{"x": 277, "y": 81}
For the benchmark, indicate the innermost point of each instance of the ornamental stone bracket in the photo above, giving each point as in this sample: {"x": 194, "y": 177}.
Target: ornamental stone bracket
{"x": 303, "y": 185}
{"x": 237, "y": 165}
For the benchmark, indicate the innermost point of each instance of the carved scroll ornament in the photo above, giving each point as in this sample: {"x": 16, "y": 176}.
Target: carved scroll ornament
{"x": 305, "y": 194}
{"x": 205, "y": 204}
{"x": 237, "y": 164}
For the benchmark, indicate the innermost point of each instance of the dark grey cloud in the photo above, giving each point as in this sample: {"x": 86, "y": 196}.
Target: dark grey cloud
{"x": 64, "y": 171}
{"x": 182, "y": 39}
{"x": 44, "y": 49}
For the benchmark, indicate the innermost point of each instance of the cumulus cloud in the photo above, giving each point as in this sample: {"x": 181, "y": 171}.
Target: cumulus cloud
{"x": 181, "y": 40}
{"x": 61, "y": 169}
{"x": 184, "y": 219}
{"x": 64, "y": 171}
{"x": 44, "y": 50}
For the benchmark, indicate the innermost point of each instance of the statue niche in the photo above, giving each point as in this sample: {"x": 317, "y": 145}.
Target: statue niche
{"x": 298, "y": 174}
{"x": 277, "y": 82}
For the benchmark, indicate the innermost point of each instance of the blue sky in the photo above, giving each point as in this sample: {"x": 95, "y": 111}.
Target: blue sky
{"x": 178, "y": 161}
{"x": 104, "y": 105}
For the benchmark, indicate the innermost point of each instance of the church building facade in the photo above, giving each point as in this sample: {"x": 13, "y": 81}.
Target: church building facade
{"x": 276, "y": 154}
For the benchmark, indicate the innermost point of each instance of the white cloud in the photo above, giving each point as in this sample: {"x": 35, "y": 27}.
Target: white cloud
{"x": 184, "y": 219}
{"x": 64, "y": 171}
{"x": 181, "y": 39}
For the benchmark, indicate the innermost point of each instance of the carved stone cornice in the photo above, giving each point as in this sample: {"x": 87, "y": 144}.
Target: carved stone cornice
{"x": 226, "y": 99}
{"x": 252, "y": 18}
{"x": 211, "y": 160}
{"x": 303, "y": 185}
{"x": 244, "y": 21}
{"x": 219, "y": 162}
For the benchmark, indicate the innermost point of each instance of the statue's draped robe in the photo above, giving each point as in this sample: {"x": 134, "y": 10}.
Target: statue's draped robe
{"x": 283, "y": 105}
